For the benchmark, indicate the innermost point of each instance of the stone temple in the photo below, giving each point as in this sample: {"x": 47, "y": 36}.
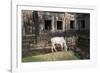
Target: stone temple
{"x": 39, "y": 26}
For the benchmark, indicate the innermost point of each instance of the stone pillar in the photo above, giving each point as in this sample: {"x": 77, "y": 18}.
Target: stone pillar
{"x": 53, "y": 24}
{"x": 66, "y": 21}
{"x": 76, "y": 22}
{"x": 64, "y": 24}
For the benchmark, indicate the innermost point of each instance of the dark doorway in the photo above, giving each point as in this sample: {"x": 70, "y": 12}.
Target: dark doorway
{"x": 47, "y": 24}
{"x": 82, "y": 24}
{"x": 72, "y": 24}
{"x": 59, "y": 25}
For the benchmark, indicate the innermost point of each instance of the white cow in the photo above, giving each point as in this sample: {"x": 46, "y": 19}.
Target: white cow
{"x": 58, "y": 40}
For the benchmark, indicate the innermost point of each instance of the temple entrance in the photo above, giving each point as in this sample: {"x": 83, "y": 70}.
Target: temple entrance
{"x": 47, "y": 24}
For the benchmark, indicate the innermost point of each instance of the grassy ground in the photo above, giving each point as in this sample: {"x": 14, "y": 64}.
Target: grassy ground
{"x": 56, "y": 56}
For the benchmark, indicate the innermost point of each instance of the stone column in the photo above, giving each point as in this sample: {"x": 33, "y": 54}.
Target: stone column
{"x": 53, "y": 21}
{"x": 64, "y": 24}
{"x": 76, "y": 23}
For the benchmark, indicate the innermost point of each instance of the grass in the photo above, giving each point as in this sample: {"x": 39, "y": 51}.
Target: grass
{"x": 56, "y": 56}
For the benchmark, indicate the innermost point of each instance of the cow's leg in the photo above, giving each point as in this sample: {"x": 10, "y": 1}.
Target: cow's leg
{"x": 62, "y": 46}
{"x": 55, "y": 48}
{"x": 52, "y": 48}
